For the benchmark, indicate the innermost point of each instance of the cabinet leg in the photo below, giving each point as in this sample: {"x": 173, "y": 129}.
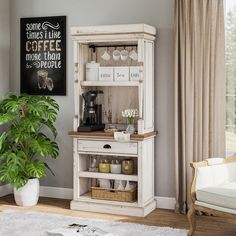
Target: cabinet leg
{"x": 191, "y": 220}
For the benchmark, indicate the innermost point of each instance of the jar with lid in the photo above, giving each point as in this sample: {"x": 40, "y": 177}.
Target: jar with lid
{"x": 128, "y": 167}
{"x": 115, "y": 166}
{"x": 92, "y": 71}
{"x": 104, "y": 166}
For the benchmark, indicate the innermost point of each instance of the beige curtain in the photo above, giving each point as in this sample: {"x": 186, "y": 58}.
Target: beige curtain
{"x": 199, "y": 88}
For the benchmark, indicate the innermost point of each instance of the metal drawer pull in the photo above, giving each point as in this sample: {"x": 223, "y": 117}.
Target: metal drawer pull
{"x": 107, "y": 146}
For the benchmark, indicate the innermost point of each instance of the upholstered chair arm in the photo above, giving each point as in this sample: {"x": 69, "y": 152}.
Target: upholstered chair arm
{"x": 210, "y": 168}
{"x": 194, "y": 166}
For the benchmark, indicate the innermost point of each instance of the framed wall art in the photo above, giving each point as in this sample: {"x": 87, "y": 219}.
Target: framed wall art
{"x": 43, "y": 55}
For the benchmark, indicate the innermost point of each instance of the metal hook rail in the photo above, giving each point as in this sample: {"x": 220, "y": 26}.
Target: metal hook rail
{"x": 111, "y": 45}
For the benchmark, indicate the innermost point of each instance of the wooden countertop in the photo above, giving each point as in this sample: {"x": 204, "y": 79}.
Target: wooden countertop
{"x": 110, "y": 135}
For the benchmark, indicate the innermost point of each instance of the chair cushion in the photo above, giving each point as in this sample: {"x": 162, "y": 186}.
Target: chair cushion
{"x": 215, "y": 175}
{"x": 223, "y": 195}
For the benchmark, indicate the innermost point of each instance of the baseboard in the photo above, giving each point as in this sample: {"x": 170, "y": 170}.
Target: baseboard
{"x": 5, "y": 190}
{"x": 67, "y": 193}
{"x": 165, "y": 202}
{"x": 44, "y": 191}
{"x": 53, "y": 192}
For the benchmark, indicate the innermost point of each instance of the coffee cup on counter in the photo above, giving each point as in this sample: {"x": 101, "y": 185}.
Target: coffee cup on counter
{"x": 121, "y": 136}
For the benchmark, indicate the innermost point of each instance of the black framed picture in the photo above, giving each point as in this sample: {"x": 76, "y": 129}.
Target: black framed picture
{"x": 43, "y": 55}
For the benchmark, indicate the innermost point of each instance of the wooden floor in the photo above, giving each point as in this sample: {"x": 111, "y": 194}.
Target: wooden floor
{"x": 212, "y": 226}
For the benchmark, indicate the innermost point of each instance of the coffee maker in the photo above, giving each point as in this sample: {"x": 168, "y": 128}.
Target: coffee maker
{"x": 92, "y": 117}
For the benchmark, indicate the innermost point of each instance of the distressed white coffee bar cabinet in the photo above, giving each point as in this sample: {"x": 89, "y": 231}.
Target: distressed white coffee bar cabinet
{"x": 127, "y": 50}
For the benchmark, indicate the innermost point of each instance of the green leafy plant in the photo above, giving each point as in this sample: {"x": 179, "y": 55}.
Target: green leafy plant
{"x": 24, "y": 144}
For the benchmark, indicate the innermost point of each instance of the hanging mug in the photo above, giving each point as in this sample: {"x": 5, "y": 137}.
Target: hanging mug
{"x": 106, "y": 56}
{"x": 133, "y": 55}
{"x": 116, "y": 55}
{"x": 124, "y": 55}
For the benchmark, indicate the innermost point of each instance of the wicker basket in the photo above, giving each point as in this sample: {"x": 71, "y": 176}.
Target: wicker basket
{"x": 114, "y": 194}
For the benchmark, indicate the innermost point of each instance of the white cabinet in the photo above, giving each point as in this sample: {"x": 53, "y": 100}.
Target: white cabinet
{"x": 132, "y": 88}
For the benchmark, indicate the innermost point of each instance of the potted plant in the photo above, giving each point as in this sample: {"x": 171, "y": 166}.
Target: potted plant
{"x": 28, "y": 139}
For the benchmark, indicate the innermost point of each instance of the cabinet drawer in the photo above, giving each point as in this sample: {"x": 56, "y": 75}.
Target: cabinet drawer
{"x": 107, "y": 147}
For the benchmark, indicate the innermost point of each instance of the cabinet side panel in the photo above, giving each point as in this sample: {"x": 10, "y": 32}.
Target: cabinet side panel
{"x": 148, "y": 170}
{"x": 148, "y": 87}
{"x": 75, "y": 170}
{"x": 83, "y": 58}
{"x": 76, "y": 84}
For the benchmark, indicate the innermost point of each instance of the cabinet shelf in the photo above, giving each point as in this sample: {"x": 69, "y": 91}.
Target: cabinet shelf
{"x": 87, "y": 174}
{"x": 87, "y": 198}
{"x": 111, "y": 83}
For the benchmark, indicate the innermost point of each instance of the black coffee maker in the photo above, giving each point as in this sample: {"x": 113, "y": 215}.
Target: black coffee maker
{"x": 92, "y": 118}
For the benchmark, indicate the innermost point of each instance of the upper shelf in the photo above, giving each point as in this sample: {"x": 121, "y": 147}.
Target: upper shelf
{"x": 110, "y": 83}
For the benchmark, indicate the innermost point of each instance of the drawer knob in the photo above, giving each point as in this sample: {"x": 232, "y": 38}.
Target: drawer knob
{"x": 107, "y": 146}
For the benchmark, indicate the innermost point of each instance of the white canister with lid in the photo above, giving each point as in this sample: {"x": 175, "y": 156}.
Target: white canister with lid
{"x": 92, "y": 71}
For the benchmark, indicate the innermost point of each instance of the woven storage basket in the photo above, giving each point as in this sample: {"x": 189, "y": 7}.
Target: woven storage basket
{"x": 114, "y": 194}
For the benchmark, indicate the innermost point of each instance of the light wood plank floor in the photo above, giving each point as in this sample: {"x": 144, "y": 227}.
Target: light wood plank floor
{"x": 207, "y": 226}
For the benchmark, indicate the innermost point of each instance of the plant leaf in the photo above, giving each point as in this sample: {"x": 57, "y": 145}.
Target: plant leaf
{"x": 3, "y": 138}
{"x": 6, "y": 118}
{"x": 36, "y": 169}
{"x": 43, "y": 146}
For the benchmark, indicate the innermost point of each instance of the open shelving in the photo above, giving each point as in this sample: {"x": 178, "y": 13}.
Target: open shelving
{"x": 89, "y": 44}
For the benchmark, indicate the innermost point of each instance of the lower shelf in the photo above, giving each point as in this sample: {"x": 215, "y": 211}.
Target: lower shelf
{"x": 86, "y": 203}
{"x": 87, "y": 198}
{"x": 109, "y": 208}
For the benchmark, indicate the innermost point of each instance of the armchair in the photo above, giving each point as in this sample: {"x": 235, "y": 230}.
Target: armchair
{"x": 213, "y": 189}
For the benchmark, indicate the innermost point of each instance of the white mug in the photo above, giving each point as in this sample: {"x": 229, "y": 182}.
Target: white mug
{"x": 116, "y": 55}
{"x": 133, "y": 55}
{"x": 118, "y": 136}
{"x": 106, "y": 56}
{"x": 124, "y": 55}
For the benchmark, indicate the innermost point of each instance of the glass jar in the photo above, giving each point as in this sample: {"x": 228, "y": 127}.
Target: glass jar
{"x": 128, "y": 167}
{"x": 115, "y": 166}
{"x": 104, "y": 166}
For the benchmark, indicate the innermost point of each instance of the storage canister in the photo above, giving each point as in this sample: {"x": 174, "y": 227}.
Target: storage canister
{"x": 104, "y": 166}
{"x": 92, "y": 71}
{"x": 115, "y": 166}
{"x": 128, "y": 167}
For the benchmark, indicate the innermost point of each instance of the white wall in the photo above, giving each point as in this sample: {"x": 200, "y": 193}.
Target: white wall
{"x": 158, "y": 13}
{"x": 4, "y": 45}
{"x": 4, "y": 48}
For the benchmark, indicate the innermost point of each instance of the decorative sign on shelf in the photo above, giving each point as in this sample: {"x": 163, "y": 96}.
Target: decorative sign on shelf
{"x": 43, "y": 55}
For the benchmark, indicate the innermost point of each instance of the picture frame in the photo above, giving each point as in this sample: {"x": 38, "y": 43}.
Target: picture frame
{"x": 43, "y": 55}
